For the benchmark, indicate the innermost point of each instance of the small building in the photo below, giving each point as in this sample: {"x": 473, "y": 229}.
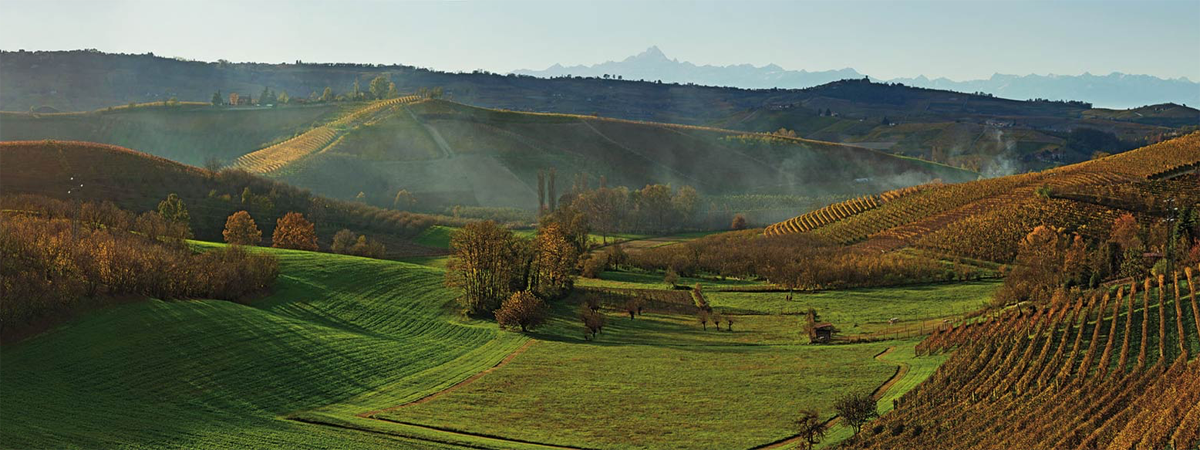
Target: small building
{"x": 238, "y": 99}
{"x": 824, "y": 332}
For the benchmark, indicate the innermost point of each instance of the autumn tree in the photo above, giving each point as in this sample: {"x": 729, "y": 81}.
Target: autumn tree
{"x": 739, "y": 222}
{"x": 1125, "y": 232}
{"x": 342, "y": 241}
{"x": 522, "y": 309}
{"x": 483, "y": 266}
{"x": 554, "y": 260}
{"x": 327, "y": 95}
{"x": 295, "y": 232}
{"x": 856, "y": 408}
{"x": 240, "y": 229}
{"x": 1038, "y": 270}
{"x": 809, "y": 428}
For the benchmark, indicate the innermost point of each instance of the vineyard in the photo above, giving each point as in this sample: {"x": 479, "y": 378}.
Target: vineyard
{"x": 314, "y": 140}
{"x": 1115, "y": 371}
{"x": 984, "y": 219}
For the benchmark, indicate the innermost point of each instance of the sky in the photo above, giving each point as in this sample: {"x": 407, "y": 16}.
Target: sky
{"x": 964, "y": 39}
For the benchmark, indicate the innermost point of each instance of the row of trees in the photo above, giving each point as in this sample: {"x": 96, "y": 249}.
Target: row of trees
{"x": 58, "y": 259}
{"x": 798, "y": 260}
{"x": 1049, "y": 260}
{"x": 380, "y": 88}
{"x": 500, "y": 273}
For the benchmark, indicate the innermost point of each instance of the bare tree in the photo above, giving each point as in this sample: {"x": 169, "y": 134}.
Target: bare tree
{"x": 856, "y": 409}
{"x": 810, "y": 428}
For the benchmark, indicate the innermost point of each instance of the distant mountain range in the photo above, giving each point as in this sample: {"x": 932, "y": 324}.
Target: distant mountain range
{"x": 1115, "y": 90}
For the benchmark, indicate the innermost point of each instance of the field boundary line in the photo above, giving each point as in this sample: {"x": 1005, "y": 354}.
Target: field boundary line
{"x": 479, "y": 435}
{"x": 456, "y": 386}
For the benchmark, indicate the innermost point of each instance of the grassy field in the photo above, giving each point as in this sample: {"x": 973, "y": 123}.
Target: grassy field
{"x": 340, "y": 333}
{"x": 857, "y": 311}
{"x": 658, "y": 381}
{"x": 339, "y": 353}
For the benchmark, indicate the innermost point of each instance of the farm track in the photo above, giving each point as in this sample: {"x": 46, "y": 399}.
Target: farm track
{"x": 902, "y": 369}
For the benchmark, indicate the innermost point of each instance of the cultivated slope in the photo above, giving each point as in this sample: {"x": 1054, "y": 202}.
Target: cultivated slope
{"x": 343, "y": 334}
{"x": 460, "y": 154}
{"x": 138, "y": 182}
{"x": 986, "y": 218}
{"x": 189, "y": 134}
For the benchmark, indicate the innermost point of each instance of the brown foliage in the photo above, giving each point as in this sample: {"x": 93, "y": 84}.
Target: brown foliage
{"x": 51, "y": 266}
{"x": 295, "y": 232}
{"x": 522, "y": 309}
{"x": 240, "y": 229}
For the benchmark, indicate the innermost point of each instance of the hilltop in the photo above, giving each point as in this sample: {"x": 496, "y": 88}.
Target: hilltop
{"x": 1039, "y": 127}
{"x": 467, "y": 155}
{"x": 1115, "y": 90}
{"x": 138, "y": 182}
{"x": 986, "y": 219}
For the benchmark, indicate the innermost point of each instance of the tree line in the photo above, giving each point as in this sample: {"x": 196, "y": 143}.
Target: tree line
{"x": 57, "y": 258}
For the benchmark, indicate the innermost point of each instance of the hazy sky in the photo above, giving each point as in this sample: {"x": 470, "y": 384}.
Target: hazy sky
{"x": 885, "y": 39}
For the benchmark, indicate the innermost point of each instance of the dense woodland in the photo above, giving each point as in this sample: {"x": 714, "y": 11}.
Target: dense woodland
{"x": 58, "y": 258}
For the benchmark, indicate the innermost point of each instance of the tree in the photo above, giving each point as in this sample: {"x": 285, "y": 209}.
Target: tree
{"x": 327, "y": 95}
{"x": 1125, "y": 232}
{"x": 809, "y": 428}
{"x": 216, "y": 98}
{"x": 555, "y": 259}
{"x": 392, "y": 92}
{"x": 173, "y": 209}
{"x": 240, "y": 229}
{"x": 739, "y": 222}
{"x": 404, "y": 200}
{"x": 355, "y": 93}
{"x": 213, "y": 164}
{"x": 379, "y": 87}
{"x": 685, "y": 202}
{"x": 671, "y": 277}
{"x": 522, "y": 309}
{"x": 343, "y": 241}
{"x": 283, "y": 98}
{"x": 856, "y": 408}
{"x": 484, "y": 265}
{"x": 295, "y": 232}
{"x": 593, "y": 319}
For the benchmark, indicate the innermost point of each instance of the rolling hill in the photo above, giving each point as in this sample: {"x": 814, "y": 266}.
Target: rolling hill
{"x": 945, "y": 126}
{"x": 340, "y": 333}
{"x": 475, "y": 156}
{"x": 138, "y": 182}
{"x": 985, "y": 219}
{"x": 189, "y": 134}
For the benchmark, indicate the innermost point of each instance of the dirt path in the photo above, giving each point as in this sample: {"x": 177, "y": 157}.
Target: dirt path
{"x": 901, "y": 370}
{"x": 456, "y": 386}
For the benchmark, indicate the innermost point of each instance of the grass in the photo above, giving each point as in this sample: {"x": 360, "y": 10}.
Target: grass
{"x": 342, "y": 334}
{"x": 437, "y": 236}
{"x": 856, "y": 311}
{"x": 655, "y": 382}
{"x": 640, "y": 280}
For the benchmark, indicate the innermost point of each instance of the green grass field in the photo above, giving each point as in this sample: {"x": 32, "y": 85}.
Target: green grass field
{"x": 344, "y": 340}
{"x": 340, "y": 333}
{"x": 658, "y": 381}
{"x": 867, "y": 310}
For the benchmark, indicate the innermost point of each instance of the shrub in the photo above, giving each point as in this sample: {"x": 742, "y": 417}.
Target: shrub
{"x": 522, "y": 309}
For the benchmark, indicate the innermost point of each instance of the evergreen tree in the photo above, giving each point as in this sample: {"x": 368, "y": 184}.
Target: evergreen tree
{"x": 216, "y": 98}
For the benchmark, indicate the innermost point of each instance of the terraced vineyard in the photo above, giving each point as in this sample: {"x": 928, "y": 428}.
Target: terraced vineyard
{"x": 342, "y": 334}
{"x": 314, "y": 140}
{"x": 837, "y": 211}
{"x": 980, "y": 218}
{"x": 1117, "y": 371}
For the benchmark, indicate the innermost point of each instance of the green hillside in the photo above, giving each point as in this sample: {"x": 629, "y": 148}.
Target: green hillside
{"x": 350, "y": 332}
{"x": 187, "y": 133}
{"x": 451, "y": 153}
